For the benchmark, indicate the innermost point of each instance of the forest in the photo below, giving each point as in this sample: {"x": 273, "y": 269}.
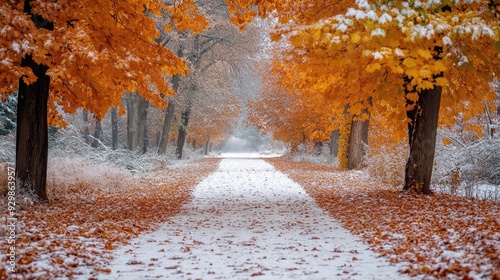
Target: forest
{"x": 114, "y": 113}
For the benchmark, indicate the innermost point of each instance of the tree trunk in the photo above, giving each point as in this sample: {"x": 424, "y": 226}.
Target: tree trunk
{"x": 334, "y": 143}
{"x": 358, "y": 138}
{"x": 136, "y": 121}
{"x": 97, "y": 134}
{"x": 144, "y": 121}
{"x": 32, "y": 134}
{"x": 318, "y": 148}
{"x": 32, "y": 126}
{"x": 207, "y": 144}
{"x": 181, "y": 139}
{"x": 114, "y": 128}
{"x": 183, "y": 130}
{"x": 420, "y": 162}
{"x": 167, "y": 121}
{"x": 86, "y": 130}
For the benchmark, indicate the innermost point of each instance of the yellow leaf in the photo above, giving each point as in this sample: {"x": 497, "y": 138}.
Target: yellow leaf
{"x": 413, "y": 72}
{"x": 442, "y": 82}
{"x": 355, "y": 38}
{"x": 439, "y": 66}
{"x": 409, "y": 62}
{"x": 397, "y": 70}
{"x": 426, "y": 85}
{"x": 425, "y": 54}
{"x": 373, "y": 67}
{"x": 316, "y": 34}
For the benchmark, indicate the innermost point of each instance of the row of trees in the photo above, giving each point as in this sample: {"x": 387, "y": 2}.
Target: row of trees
{"x": 65, "y": 55}
{"x": 343, "y": 65}
{"x": 388, "y": 58}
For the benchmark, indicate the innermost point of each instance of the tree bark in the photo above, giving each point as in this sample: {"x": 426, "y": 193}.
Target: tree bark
{"x": 114, "y": 128}
{"x": 32, "y": 132}
{"x": 86, "y": 131}
{"x": 167, "y": 122}
{"x": 318, "y": 148}
{"x": 334, "y": 143}
{"x": 181, "y": 139}
{"x": 144, "y": 121}
{"x": 420, "y": 162}
{"x": 207, "y": 145}
{"x": 97, "y": 134}
{"x": 136, "y": 121}
{"x": 32, "y": 125}
{"x": 358, "y": 138}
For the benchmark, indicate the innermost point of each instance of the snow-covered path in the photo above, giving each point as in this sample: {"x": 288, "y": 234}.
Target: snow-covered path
{"x": 248, "y": 219}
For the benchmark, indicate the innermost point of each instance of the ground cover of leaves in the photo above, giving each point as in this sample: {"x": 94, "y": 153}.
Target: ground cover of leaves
{"x": 438, "y": 236}
{"x": 83, "y": 223}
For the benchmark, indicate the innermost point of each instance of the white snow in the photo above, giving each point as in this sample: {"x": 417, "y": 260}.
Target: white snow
{"x": 248, "y": 219}
{"x": 398, "y": 52}
{"x": 377, "y": 55}
{"x": 378, "y": 32}
{"x": 447, "y": 41}
{"x": 385, "y": 18}
{"x": 16, "y": 47}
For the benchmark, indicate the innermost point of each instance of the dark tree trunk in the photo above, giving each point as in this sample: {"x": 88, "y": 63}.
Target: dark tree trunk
{"x": 97, "y": 134}
{"x": 114, "y": 128}
{"x": 136, "y": 121}
{"x": 32, "y": 135}
{"x": 167, "y": 122}
{"x": 334, "y": 143}
{"x": 86, "y": 130}
{"x": 183, "y": 130}
{"x": 418, "y": 170}
{"x": 207, "y": 145}
{"x": 181, "y": 139}
{"x": 294, "y": 148}
{"x": 144, "y": 121}
{"x": 358, "y": 138}
{"x": 32, "y": 126}
{"x": 318, "y": 148}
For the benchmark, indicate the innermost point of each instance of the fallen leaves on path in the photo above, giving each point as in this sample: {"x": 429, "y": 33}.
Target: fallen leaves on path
{"x": 83, "y": 223}
{"x": 436, "y": 236}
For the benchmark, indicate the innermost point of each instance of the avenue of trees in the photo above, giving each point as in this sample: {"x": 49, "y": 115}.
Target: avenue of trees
{"x": 337, "y": 68}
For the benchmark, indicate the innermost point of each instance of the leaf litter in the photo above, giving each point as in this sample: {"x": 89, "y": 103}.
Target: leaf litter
{"x": 438, "y": 236}
{"x": 81, "y": 226}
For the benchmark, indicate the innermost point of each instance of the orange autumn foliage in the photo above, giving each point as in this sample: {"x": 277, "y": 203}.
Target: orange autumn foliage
{"x": 97, "y": 51}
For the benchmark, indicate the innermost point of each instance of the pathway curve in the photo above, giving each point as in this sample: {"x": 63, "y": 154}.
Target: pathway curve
{"x": 248, "y": 219}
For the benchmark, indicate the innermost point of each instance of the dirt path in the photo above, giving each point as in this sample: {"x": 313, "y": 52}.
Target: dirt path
{"x": 247, "y": 219}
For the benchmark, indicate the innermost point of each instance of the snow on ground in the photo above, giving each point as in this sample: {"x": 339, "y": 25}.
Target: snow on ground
{"x": 248, "y": 219}
{"x": 249, "y": 155}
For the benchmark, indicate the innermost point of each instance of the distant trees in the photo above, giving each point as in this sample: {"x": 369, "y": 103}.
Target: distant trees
{"x": 206, "y": 102}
